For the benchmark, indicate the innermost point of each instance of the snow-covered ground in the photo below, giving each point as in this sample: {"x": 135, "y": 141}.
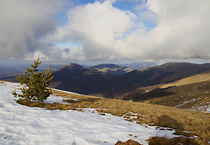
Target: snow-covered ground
{"x": 20, "y": 125}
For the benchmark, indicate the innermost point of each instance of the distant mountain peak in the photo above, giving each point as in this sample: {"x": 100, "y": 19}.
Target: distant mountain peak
{"x": 70, "y": 66}
{"x": 74, "y": 65}
{"x": 180, "y": 66}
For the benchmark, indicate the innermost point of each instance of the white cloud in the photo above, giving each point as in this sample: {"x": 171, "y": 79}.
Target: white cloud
{"x": 23, "y": 25}
{"x": 35, "y": 55}
{"x": 100, "y": 22}
{"x": 73, "y": 53}
{"x": 97, "y": 26}
{"x": 181, "y": 30}
{"x": 105, "y": 32}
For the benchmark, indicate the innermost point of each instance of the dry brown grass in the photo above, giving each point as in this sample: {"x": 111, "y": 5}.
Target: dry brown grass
{"x": 174, "y": 141}
{"x": 189, "y": 80}
{"x": 181, "y": 120}
{"x": 48, "y": 106}
{"x": 128, "y": 142}
{"x": 189, "y": 96}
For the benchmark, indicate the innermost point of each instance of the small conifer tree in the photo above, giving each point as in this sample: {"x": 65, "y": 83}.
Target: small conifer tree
{"x": 35, "y": 83}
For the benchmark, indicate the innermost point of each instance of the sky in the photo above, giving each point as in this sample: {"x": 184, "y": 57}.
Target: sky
{"x": 105, "y": 30}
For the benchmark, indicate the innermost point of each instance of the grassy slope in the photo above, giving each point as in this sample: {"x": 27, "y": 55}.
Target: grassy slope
{"x": 189, "y": 80}
{"x": 189, "y": 93}
{"x": 196, "y": 123}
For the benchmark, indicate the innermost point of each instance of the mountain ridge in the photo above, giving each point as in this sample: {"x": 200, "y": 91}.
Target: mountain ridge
{"x": 79, "y": 79}
{"x": 113, "y": 86}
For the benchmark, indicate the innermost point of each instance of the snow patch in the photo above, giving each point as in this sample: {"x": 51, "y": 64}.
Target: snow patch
{"x": 202, "y": 108}
{"x": 57, "y": 99}
{"x": 31, "y": 125}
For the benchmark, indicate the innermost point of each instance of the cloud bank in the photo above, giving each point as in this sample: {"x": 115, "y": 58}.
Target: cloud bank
{"x": 104, "y": 32}
{"x": 24, "y": 24}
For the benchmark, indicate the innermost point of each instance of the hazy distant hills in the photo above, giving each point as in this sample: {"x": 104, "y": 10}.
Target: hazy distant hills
{"x": 6, "y": 71}
{"x": 112, "y": 68}
{"x": 10, "y": 70}
{"x": 141, "y": 65}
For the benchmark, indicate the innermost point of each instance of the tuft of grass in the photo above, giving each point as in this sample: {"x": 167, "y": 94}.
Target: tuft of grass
{"x": 48, "y": 106}
{"x": 128, "y": 142}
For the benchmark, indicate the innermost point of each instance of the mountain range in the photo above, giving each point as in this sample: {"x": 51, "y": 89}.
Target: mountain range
{"x": 92, "y": 81}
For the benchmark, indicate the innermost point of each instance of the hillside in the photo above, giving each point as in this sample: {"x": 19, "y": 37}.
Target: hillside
{"x": 202, "y": 77}
{"x": 76, "y": 78}
{"x": 93, "y": 82}
{"x": 189, "y": 93}
{"x": 80, "y": 123}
